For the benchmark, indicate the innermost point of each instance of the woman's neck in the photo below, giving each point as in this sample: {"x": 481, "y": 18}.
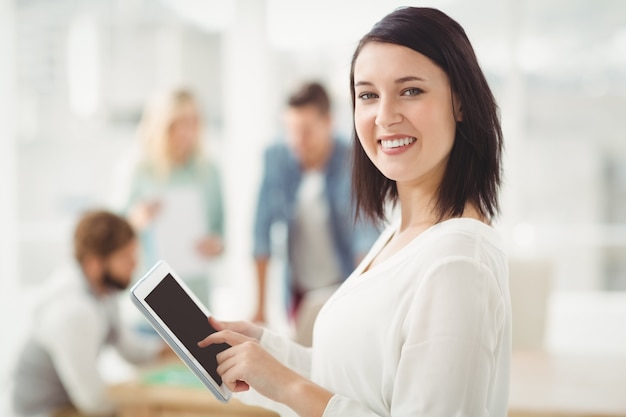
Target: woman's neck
{"x": 180, "y": 160}
{"x": 418, "y": 208}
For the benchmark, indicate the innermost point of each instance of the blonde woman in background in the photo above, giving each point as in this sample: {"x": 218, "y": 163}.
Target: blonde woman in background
{"x": 175, "y": 197}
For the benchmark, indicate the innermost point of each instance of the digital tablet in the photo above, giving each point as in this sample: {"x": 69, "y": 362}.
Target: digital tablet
{"x": 182, "y": 321}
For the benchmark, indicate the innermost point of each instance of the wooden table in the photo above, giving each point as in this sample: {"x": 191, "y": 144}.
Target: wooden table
{"x": 137, "y": 398}
{"x": 545, "y": 384}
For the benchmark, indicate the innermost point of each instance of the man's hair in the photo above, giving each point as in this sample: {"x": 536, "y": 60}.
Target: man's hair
{"x": 100, "y": 233}
{"x": 473, "y": 173}
{"x": 310, "y": 94}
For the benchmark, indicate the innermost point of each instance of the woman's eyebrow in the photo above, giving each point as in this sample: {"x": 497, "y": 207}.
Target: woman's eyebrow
{"x": 409, "y": 78}
{"x": 398, "y": 81}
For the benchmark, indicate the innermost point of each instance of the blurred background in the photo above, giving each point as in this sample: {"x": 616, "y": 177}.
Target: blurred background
{"x": 75, "y": 75}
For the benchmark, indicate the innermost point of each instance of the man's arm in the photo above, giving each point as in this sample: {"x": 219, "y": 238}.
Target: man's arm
{"x": 261, "y": 273}
{"x": 73, "y": 337}
{"x": 263, "y": 220}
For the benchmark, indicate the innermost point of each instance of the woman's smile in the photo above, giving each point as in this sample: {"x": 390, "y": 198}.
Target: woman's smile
{"x": 404, "y": 111}
{"x": 393, "y": 145}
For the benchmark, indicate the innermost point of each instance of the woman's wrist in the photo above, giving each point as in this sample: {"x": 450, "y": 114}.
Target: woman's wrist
{"x": 305, "y": 397}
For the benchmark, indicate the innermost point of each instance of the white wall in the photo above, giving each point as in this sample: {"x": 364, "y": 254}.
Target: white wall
{"x": 8, "y": 276}
{"x": 10, "y": 320}
{"x": 247, "y": 89}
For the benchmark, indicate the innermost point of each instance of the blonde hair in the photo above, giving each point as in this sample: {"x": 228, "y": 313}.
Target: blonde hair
{"x": 155, "y": 126}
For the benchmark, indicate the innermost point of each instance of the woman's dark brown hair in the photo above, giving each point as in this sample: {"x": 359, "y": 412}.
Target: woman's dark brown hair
{"x": 473, "y": 173}
{"x": 101, "y": 233}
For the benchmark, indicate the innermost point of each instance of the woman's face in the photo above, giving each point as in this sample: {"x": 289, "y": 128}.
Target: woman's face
{"x": 403, "y": 113}
{"x": 184, "y": 132}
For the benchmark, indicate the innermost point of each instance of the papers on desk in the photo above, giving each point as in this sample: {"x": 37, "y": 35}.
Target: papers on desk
{"x": 178, "y": 228}
{"x": 176, "y": 374}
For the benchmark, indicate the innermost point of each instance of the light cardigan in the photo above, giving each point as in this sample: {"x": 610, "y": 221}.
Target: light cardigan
{"x": 427, "y": 332}
{"x": 201, "y": 174}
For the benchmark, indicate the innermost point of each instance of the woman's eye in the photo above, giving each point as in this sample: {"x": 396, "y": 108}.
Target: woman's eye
{"x": 367, "y": 96}
{"x": 412, "y": 92}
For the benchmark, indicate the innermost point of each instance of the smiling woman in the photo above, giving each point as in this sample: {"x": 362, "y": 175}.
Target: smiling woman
{"x": 426, "y": 80}
{"x": 401, "y": 119}
{"x": 430, "y": 301}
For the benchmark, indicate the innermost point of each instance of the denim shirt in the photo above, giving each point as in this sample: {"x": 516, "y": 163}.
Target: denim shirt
{"x": 277, "y": 203}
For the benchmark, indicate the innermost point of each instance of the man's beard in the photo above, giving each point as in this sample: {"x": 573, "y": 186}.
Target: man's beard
{"x": 113, "y": 282}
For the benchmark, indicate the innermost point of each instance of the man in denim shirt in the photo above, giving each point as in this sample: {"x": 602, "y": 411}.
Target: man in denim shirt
{"x": 306, "y": 186}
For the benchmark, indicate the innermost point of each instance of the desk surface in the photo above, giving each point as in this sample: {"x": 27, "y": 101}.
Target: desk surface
{"x": 543, "y": 384}
{"x": 170, "y": 389}
{"x": 548, "y": 384}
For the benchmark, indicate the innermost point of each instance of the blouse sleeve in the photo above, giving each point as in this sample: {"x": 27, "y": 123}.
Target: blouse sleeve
{"x": 288, "y": 352}
{"x": 448, "y": 347}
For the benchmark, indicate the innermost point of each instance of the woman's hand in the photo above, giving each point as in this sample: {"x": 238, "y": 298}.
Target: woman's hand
{"x": 210, "y": 246}
{"x": 142, "y": 214}
{"x": 246, "y": 364}
{"x": 245, "y": 328}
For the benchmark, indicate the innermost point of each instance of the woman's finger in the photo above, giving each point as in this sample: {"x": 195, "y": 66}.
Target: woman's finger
{"x": 223, "y": 336}
{"x": 232, "y": 368}
{"x": 243, "y": 327}
{"x": 226, "y": 362}
{"x": 216, "y": 324}
{"x": 241, "y": 386}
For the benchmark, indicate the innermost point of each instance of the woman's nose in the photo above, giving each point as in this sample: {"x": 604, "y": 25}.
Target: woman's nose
{"x": 388, "y": 113}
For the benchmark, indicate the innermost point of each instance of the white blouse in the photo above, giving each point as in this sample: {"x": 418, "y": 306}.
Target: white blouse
{"x": 426, "y": 332}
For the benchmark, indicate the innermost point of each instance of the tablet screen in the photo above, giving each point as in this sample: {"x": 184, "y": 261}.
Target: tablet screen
{"x": 185, "y": 319}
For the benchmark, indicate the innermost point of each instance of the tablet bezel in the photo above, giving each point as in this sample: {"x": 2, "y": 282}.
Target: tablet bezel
{"x": 140, "y": 290}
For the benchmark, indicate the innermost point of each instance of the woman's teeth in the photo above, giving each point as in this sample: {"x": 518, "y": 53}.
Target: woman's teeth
{"x": 396, "y": 143}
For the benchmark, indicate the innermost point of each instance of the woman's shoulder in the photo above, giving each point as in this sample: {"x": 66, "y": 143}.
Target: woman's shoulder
{"x": 467, "y": 244}
{"x": 205, "y": 169}
{"x": 143, "y": 169}
{"x": 463, "y": 240}
{"x": 203, "y": 162}
{"x": 466, "y": 229}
